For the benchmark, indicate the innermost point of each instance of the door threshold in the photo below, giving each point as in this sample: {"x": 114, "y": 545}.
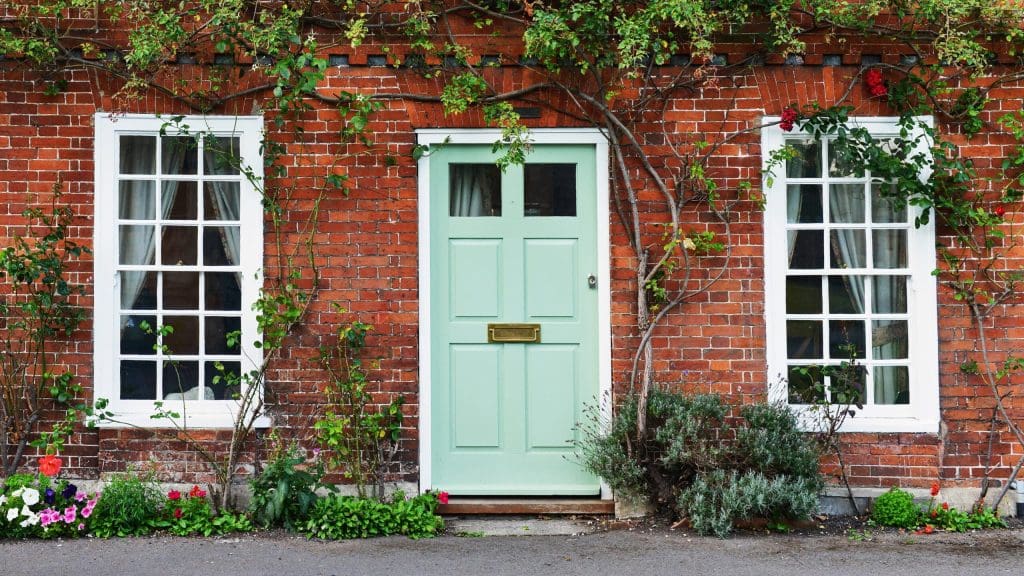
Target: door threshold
{"x": 525, "y": 505}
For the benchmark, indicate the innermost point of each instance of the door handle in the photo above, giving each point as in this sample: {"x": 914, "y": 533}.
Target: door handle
{"x": 592, "y": 281}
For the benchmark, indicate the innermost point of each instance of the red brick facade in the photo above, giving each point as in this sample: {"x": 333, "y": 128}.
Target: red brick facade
{"x": 367, "y": 250}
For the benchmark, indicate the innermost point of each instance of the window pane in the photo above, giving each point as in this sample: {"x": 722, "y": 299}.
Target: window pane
{"x": 846, "y": 337}
{"x": 185, "y": 337}
{"x": 550, "y": 190}
{"x": 222, "y": 291}
{"x": 135, "y": 340}
{"x": 179, "y": 245}
{"x": 138, "y": 380}
{"x": 840, "y": 161}
{"x": 138, "y": 155}
{"x": 889, "y": 295}
{"x": 892, "y": 385}
{"x": 807, "y": 163}
{"x": 179, "y": 201}
{"x": 181, "y": 380}
{"x": 136, "y": 200}
{"x": 890, "y": 248}
{"x": 222, "y": 155}
{"x": 135, "y": 245}
{"x": 806, "y": 250}
{"x": 889, "y": 339}
{"x": 220, "y": 201}
{"x": 803, "y": 339}
{"x": 846, "y": 203}
{"x": 846, "y": 294}
{"x": 222, "y": 379}
{"x": 803, "y": 203}
{"x": 181, "y": 290}
{"x": 803, "y": 295}
{"x": 474, "y": 190}
{"x": 885, "y": 210}
{"x": 179, "y": 154}
{"x": 805, "y": 385}
{"x": 138, "y": 290}
{"x": 220, "y": 246}
{"x": 847, "y": 249}
{"x": 847, "y": 384}
{"x": 217, "y": 330}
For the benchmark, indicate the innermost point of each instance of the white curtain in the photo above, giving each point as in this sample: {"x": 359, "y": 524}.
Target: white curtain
{"x": 471, "y": 190}
{"x": 225, "y": 203}
{"x": 138, "y": 243}
{"x": 848, "y": 246}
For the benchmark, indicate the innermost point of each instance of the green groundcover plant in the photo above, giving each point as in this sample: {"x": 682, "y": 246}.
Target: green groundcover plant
{"x": 342, "y": 517}
{"x": 896, "y": 508}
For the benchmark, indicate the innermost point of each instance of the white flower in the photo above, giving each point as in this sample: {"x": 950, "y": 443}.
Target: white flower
{"x": 30, "y": 521}
{"x": 3, "y": 499}
{"x": 25, "y": 511}
{"x": 689, "y": 244}
{"x": 17, "y": 492}
{"x": 12, "y": 513}
{"x": 30, "y": 496}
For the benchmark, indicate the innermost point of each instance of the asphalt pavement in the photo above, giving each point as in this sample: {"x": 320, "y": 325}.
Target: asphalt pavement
{"x": 618, "y": 552}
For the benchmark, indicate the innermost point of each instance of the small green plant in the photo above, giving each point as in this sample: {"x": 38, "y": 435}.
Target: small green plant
{"x": 717, "y": 499}
{"x": 362, "y": 440}
{"x": 128, "y": 507}
{"x": 896, "y": 508}
{"x": 344, "y": 517}
{"x": 284, "y": 492}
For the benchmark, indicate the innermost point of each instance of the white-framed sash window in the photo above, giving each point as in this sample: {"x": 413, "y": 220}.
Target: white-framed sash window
{"x": 848, "y": 276}
{"x": 178, "y": 256}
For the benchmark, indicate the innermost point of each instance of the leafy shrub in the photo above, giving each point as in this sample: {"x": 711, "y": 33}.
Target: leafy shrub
{"x": 896, "y": 508}
{"x": 953, "y": 520}
{"x": 343, "y": 517}
{"x": 128, "y": 507}
{"x": 693, "y": 462}
{"x": 716, "y": 500}
{"x": 283, "y": 493}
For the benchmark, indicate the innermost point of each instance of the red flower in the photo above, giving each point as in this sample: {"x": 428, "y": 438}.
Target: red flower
{"x": 999, "y": 210}
{"x": 789, "y": 116}
{"x": 442, "y": 497}
{"x": 196, "y": 492}
{"x": 49, "y": 465}
{"x": 935, "y": 513}
{"x": 945, "y": 505}
{"x": 174, "y": 495}
{"x": 935, "y": 489}
{"x": 875, "y": 82}
{"x": 928, "y": 529}
{"x": 177, "y": 512}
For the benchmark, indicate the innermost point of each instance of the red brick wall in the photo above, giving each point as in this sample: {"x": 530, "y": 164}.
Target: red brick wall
{"x": 367, "y": 250}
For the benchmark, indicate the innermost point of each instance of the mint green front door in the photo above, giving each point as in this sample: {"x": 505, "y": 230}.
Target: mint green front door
{"x": 515, "y": 247}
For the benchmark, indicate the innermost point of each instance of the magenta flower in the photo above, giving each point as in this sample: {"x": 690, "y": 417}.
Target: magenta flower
{"x": 70, "y": 514}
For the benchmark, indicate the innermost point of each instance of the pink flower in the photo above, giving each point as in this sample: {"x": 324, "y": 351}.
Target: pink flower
{"x": 80, "y": 496}
{"x": 442, "y": 497}
{"x": 174, "y": 495}
{"x": 177, "y": 512}
{"x": 70, "y": 514}
{"x": 789, "y": 116}
{"x": 81, "y": 526}
{"x": 48, "y": 516}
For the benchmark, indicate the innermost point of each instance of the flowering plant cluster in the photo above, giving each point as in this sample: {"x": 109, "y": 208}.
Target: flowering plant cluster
{"x": 943, "y": 517}
{"x": 38, "y": 505}
{"x": 789, "y": 117}
{"x": 875, "y": 83}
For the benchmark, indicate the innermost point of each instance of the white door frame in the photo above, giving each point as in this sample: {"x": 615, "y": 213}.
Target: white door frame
{"x": 430, "y": 137}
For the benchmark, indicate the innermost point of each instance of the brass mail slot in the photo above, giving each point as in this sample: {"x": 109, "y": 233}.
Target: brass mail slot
{"x": 513, "y": 333}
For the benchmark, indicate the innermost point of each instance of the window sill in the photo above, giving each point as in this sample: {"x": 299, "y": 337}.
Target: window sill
{"x": 206, "y": 421}
{"x": 872, "y": 424}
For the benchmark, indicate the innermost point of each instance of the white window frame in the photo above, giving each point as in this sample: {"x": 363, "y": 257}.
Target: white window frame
{"x": 922, "y": 414}
{"x": 106, "y": 373}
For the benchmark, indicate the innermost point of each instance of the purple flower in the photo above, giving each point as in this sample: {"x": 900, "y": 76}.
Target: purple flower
{"x": 69, "y": 492}
{"x": 50, "y": 496}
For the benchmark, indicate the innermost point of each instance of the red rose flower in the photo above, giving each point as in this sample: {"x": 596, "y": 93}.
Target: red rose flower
{"x": 174, "y": 495}
{"x": 789, "y": 116}
{"x": 196, "y": 492}
{"x": 442, "y": 497}
{"x": 999, "y": 210}
{"x": 177, "y": 512}
{"x": 945, "y": 505}
{"x": 49, "y": 465}
{"x": 935, "y": 489}
{"x": 875, "y": 83}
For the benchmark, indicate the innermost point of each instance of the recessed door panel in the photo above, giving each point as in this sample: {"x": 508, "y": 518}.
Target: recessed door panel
{"x": 551, "y": 276}
{"x": 476, "y": 395}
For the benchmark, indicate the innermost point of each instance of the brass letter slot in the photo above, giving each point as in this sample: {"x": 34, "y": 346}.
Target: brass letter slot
{"x": 513, "y": 333}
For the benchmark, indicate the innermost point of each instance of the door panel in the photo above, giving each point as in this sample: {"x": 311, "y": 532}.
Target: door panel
{"x": 512, "y": 247}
